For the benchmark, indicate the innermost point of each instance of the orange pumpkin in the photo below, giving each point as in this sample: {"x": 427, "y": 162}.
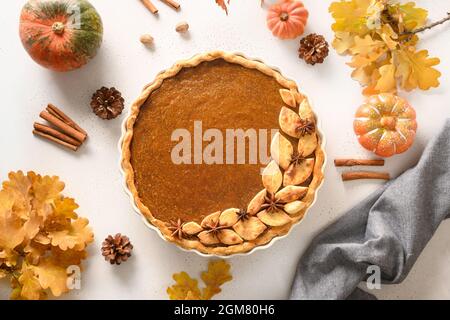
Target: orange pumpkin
{"x": 385, "y": 124}
{"x": 60, "y": 34}
{"x": 287, "y": 19}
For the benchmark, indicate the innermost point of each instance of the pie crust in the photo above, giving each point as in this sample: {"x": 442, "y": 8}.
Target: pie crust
{"x": 290, "y": 180}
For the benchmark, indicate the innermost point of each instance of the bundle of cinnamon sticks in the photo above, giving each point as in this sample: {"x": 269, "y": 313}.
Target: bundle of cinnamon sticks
{"x": 63, "y": 130}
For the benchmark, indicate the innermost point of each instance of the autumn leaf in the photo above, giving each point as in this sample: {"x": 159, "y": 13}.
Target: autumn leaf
{"x": 11, "y": 232}
{"x": 51, "y": 276}
{"x": 383, "y": 54}
{"x": 68, "y": 257}
{"x": 77, "y": 236}
{"x": 343, "y": 41}
{"x": 350, "y": 16}
{"x": 387, "y": 81}
{"x": 46, "y": 189}
{"x": 20, "y": 186}
{"x": 30, "y": 288}
{"x": 184, "y": 287}
{"x": 408, "y": 15}
{"x": 33, "y": 216}
{"x": 65, "y": 207}
{"x": 415, "y": 69}
{"x": 223, "y": 4}
{"x": 217, "y": 274}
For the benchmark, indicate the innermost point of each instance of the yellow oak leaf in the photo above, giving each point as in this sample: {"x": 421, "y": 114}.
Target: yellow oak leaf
{"x": 364, "y": 74}
{"x": 77, "y": 236}
{"x": 51, "y": 276}
{"x": 66, "y": 207}
{"x": 11, "y": 229}
{"x": 367, "y": 46}
{"x": 19, "y": 185}
{"x": 415, "y": 69}
{"x": 191, "y": 296}
{"x": 343, "y": 41}
{"x": 34, "y": 251}
{"x": 68, "y": 257}
{"x": 410, "y": 16}
{"x": 183, "y": 288}
{"x": 387, "y": 81}
{"x": 46, "y": 189}
{"x": 33, "y": 215}
{"x": 30, "y": 289}
{"x": 350, "y": 16}
{"x": 217, "y": 274}
{"x": 374, "y": 12}
{"x": 388, "y": 35}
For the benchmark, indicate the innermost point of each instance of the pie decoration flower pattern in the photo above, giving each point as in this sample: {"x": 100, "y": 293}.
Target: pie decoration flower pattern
{"x": 281, "y": 198}
{"x": 296, "y": 154}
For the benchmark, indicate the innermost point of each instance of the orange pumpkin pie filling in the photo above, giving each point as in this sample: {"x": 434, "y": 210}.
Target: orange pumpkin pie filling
{"x": 230, "y": 198}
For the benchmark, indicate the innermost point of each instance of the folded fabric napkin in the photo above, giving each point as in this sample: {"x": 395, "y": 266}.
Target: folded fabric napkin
{"x": 389, "y": 229}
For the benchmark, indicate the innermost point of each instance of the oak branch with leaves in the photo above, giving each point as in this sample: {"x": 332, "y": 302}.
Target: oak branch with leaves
{"x": 382, "y": 37}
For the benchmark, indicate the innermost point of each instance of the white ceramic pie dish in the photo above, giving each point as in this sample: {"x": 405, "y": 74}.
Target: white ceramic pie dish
{"x": 270, "y": 243}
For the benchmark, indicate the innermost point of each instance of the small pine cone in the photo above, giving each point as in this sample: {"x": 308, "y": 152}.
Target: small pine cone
{"x": 117, "y": 249}
{"x": 313, "y": 49}
{"x": 107, "y": 103}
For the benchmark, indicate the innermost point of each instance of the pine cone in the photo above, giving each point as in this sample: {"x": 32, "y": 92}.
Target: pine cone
{"x": 117, "y": 249}
{"x": 107, "y": 103}
{"x": 313, "y": 49}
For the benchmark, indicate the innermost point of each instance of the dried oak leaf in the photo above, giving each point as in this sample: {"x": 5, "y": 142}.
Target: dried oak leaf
{"x": 51, "y": 276}
{"x": 350, "y": 16}
{"x": 415, "y": 69}
{"x": 40, "y": 235}
{"x": 186, "y": 288}
{"x": 408, "y": 15}
{"x": 30, "y": 289}
{"x": 77, "y": 236}
{"x": 183, "y": 288}
{"x": 217, "y": 274}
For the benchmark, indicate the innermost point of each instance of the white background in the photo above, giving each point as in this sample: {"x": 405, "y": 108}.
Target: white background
{"x": 92, "y": 175}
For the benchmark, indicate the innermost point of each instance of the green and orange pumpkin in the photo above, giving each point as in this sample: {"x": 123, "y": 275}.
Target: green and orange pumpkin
{"x": 61, "y": 35}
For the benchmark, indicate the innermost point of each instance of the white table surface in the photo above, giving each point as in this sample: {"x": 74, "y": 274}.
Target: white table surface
{"x": 92, "y": 175}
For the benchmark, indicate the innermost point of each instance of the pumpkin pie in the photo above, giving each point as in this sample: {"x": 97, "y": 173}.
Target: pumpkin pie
{"x": 207, "y": 198}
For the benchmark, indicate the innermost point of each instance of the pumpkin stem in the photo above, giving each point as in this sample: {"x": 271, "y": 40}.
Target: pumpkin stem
{"x": 284, "y": 16}
{"x": 58, "y": 28}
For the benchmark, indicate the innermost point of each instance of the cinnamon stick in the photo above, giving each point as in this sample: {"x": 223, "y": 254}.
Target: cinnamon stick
{"x": 55, "y": 133}
{"x": 53, "y": 110}
{"x": 56, "y": 140}
{"x": 64, "y": 127}
{"x": 150, "y": 6}
{"x": 357, "y": 175}
{"x": 172, "y": 3}
{"x": 358, "y": 162}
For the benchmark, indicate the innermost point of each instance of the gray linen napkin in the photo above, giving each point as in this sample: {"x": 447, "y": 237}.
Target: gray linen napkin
{"x": 389, "y": 229}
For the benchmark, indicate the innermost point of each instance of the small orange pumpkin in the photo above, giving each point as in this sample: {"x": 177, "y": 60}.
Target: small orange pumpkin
{"x": 385, "y": 124}
{"x": 287, "y": 19}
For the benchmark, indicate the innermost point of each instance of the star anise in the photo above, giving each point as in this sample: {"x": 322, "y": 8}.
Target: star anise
{"x": 215, "y": 227}
{"x": 297, "y": 159}
{"x": 305, "y": 127}
{"x": 243, "y": 214}
{"x": 176, "y": 228}
{"x": 272, "y": 204}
